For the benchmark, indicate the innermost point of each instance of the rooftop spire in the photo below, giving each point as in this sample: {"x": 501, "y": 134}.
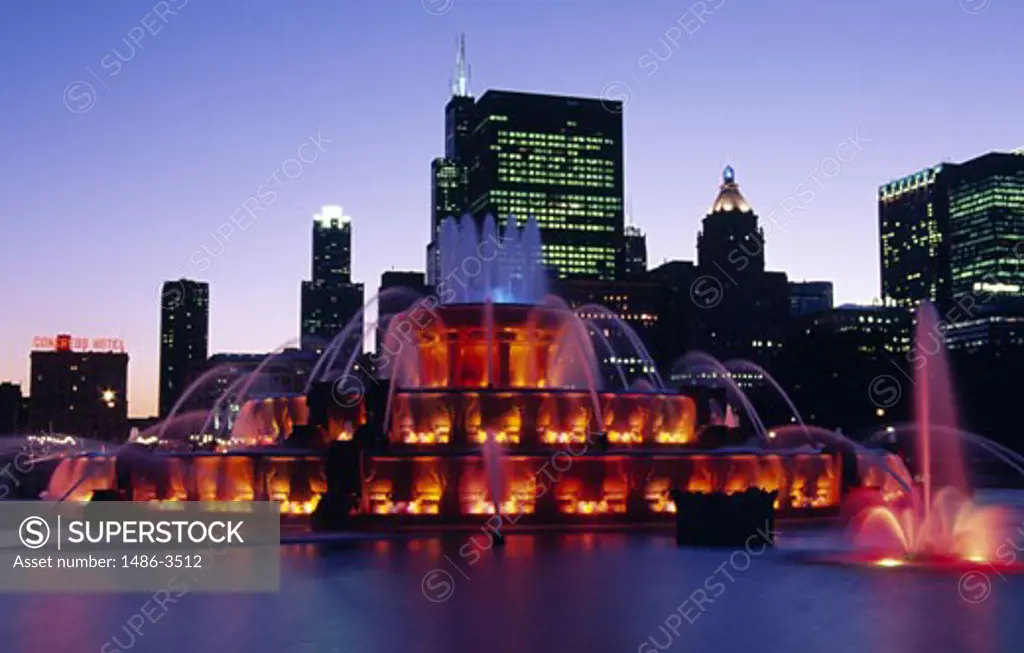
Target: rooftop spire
{"x": 460, "y": 81}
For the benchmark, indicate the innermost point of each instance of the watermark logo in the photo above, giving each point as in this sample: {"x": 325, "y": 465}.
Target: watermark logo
{"x": 348, "y": 391}
{"x": 438, "y": 586}
{"x": 706, "y": 291}
{"x": 437, "y": 7}
{"x": 34, "y": 532}
{"x": 171, "y": 293}
{"x": 79, "y": 96}
{"x": 252, "y": 208}
{"x": 885, "y": 391}
{"x": 616, "y": 96}
{"x": 975, "y": 587}
{"x": 712, "y": 590}
{"x": 118, "y": 546}
{"x": 975, "y": 7}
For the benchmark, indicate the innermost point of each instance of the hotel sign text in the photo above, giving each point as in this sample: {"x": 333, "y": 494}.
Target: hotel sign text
{"x": 65, "y": 342}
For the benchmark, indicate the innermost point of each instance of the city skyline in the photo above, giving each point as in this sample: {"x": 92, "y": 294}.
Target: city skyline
{"x": 683, "y": 125}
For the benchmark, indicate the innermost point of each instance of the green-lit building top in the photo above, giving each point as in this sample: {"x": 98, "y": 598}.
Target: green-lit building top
{"x": 556, "y": 158}
{"x": 986, "y": 226}
{"x": 952, "y": 231}
{"x": 559, "y": 159}
{"x": 912, "y": 217}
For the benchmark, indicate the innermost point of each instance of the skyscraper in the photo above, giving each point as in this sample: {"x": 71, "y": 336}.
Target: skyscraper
{"x": 954, "y": 230}
{"x": 458, "y": 113}
{"x": 329, "y": 299}
{"x": 184, "y": 335}
{"x": 559, "y": 159}
{"x": 986, "y": 226}
{"x": 730, "y": 240}
{"x": 634, "y": 253}
{"x": 448, "y": 192}
{"x": 332, "y": 246}
{"x": 449, "y": 175}
{"x": 913, "y": 227}
{"x": 743, "y": 310}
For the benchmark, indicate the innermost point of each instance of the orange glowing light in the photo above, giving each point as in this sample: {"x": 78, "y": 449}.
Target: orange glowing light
{"x": 300, "y": 507}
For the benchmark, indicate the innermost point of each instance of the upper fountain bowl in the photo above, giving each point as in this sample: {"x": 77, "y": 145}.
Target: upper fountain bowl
{"x": 490, "y": 345}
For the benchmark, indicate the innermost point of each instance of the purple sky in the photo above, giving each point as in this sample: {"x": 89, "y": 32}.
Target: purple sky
{"x": 101, "y": 205}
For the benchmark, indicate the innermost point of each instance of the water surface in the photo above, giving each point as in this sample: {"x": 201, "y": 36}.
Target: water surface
{"x": 553, "y": 592}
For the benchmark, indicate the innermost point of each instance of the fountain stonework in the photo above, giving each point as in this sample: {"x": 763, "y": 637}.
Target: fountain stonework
{"x": 496, "y": 405}
{"x": 519, "y": 380}
{"x": 490, "y": 401}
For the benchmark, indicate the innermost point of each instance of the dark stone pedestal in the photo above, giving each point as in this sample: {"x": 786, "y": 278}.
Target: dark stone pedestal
{"x": 108, "y": 495}
{"x": 718, "y": 519}
{"x": 342, "y": 468}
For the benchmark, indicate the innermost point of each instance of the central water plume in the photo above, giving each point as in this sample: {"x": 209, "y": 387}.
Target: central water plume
{"x": 482, "y": 263}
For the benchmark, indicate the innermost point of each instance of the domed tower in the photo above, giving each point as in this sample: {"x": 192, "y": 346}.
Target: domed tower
{"x": 730, "y": 238}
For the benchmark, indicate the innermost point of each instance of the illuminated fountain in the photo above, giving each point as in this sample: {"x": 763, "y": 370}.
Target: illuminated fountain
{"x": 493, "y": 402}
{"x": 930, "y": 518}
{"x": 496, "y": 404}
{"x": 261, "y": 453}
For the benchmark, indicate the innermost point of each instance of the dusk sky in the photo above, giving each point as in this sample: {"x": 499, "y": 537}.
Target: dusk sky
{"x": 113, "y": 186}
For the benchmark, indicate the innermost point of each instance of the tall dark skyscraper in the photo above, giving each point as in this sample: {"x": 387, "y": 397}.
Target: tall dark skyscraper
{"x": 184, "y": 335}
{"x": 634, "y": 256}
{"x": 913, "y": 218}
{"x": 330, "y": 300}
{"x": 448, "y": 196}
{"x": 986, "y": 226}
{"x": 559, "y": 159}
{"x": 954, "y": 230}
{"x": 458, "y": 113}
{"x": 332, "y": 247}
{"x": 449, "y": 175}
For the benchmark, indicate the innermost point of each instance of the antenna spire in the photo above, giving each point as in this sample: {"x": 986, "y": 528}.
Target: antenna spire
{"x": 460, "y": 81}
